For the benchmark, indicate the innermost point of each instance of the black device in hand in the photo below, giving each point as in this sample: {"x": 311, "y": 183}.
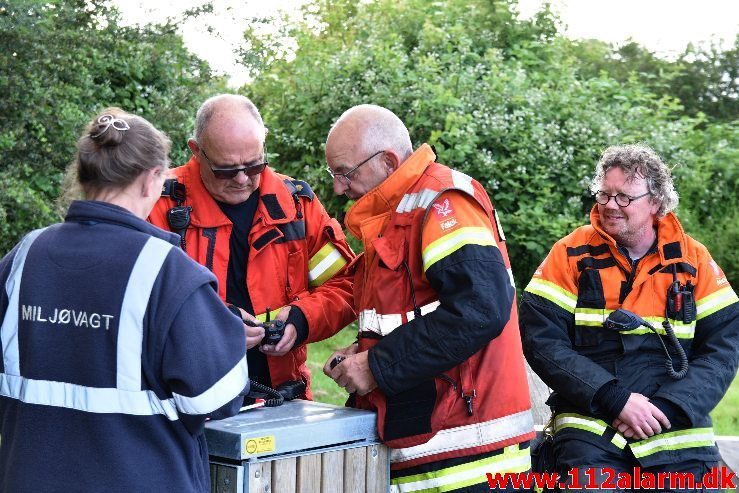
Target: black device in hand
{"x": 336, "y": 361}
{"x": 273, "y": 330}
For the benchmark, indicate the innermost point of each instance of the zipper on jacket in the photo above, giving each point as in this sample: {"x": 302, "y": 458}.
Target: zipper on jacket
{"x": 468, "y": 386}
{"x": 448, "y": 380}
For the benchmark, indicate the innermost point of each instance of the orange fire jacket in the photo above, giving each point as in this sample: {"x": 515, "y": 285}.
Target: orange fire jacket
{"x": 298, "y": 256}
{"x": 437, "y": 313}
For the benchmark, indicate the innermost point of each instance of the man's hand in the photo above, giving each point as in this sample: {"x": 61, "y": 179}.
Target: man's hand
{"x": 640, "y": 418}
{"x": 344, "y": 353}
{"x": 354, "y": 374}
{"x": 623, "y": 428}
{"x": 254, "y": 335}
{"x": 288, "y": 337}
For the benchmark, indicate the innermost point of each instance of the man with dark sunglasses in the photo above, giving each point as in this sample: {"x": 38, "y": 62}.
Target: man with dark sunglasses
{"x": 266, "y": 237}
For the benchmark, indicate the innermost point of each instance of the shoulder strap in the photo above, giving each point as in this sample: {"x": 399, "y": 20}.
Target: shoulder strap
{"x": 299, "y": 188}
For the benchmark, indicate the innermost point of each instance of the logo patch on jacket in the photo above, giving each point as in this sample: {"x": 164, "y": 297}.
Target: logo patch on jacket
{"x": 448, "y": 223}
{"x": 443, "y": 209}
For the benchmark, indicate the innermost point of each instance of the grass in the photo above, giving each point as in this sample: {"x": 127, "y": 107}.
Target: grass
{"x": 725, "y": 416}
{"x": 325, "y": 389}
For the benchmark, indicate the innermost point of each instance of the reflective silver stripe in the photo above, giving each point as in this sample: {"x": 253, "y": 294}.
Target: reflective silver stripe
{"x": 572, "y": 420}
{"x": 135, "y": 301}
{"x": 463, "y": 182}
{"x": 513, "y": 459}
{"x": 619, "y": 441}
{"x": 715, "y": 302}
{"x": 383, "y": 324}
{"x": 594, "y": 317}
{"x": 220, "y": 394}
{"x": 424, "y": 310}
{"x": 370, "y": 320}
{"x": 88, "y": 399}
{"x": 9, "y": 328}
{"x": 676, "y": 440}
{"x": 64, "y": 394}
{"x": 500, "y": 227}
{"x": 552, "y": 292}
{"x": 411, "y": 201}
{"x": 324, "y": 264}
{"x": 469, "y": 436}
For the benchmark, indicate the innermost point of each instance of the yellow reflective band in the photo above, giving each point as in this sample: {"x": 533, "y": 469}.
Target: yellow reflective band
{"x": 513, "y": 460}
{"x": 619, "y": 441}
{"x": 586, "y": 423}
{"x": 715, "y": 302}
{"x": 676, "y": 440}
{"x": 552, "y": 292}
{"x": 594, "y": 317}
{"x": 681, "y": 329}
{"x": 324, "y": 265}
{"x": 262, "y": 317}
{"x": 573, "y": 420}
{"x": 452, "y": 242}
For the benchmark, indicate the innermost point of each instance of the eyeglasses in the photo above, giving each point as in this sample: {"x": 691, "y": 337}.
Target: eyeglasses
{"x": 622, "y": 200}
{"x": 231, "y": 173}
{"x": 345, "y": 178}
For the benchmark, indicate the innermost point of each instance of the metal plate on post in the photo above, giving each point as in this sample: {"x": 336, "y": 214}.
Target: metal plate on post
{"x": 226, "y": 478}
{"x": 293, "y": 427}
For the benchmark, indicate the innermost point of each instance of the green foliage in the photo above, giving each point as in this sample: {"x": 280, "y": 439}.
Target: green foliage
{"x": 707, "y": 178}
{"x": 507, "y": 101}
{"x": 708, "y": 81}
{"x": 704, "y": 79}
{"x": 325, "y": 389}
{"x": 64, "y": 60}
{"x": 725, "y": 418}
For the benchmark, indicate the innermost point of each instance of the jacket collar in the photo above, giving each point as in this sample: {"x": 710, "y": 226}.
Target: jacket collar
{"x": 94, "y": 211}
{"x": 276, "y": 205}
{"x": 671, "y": 241}
{"x": 386, "y": 196}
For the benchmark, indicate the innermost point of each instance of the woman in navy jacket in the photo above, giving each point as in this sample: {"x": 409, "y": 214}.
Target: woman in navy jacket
{"x": 115, "y": 346}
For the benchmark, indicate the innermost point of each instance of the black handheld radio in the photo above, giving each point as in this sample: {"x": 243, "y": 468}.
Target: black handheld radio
{"x": 178, "y": 217}
{"x": 621, "y": 320}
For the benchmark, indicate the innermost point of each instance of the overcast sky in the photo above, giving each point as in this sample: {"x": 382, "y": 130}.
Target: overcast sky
{"x": 663, "y": 26}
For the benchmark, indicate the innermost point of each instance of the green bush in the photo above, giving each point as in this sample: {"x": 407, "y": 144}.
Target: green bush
{"x": 510, "y": 102}
{"x": 64, "y": 60}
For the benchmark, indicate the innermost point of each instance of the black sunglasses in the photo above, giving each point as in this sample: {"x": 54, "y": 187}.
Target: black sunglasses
{"x": 231, "y": 173}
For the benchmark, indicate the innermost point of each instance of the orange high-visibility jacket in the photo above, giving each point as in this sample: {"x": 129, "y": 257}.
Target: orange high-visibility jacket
{"x": 298, "y": 256}
{"x": 584, "y": 278}
{"x": 437, "y": 313}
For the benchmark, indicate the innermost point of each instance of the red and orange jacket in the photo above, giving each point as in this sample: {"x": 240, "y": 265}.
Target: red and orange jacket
{"x": 437, "y": 314}
{"x": 298, "y": 256}
{"x": 584, "y": 278}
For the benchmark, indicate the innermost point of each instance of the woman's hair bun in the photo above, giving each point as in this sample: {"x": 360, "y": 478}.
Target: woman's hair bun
{"x": 109, "y": 129}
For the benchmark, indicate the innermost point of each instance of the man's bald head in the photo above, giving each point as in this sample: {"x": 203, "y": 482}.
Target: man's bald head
{"x": 229, "y": 133}
{"x": 368, "y": 128}
{"x": 225, "y": 109}
{"x": 364, "y": 147}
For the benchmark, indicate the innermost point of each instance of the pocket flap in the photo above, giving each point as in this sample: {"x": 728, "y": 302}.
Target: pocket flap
{"x": 391, "y": 253}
